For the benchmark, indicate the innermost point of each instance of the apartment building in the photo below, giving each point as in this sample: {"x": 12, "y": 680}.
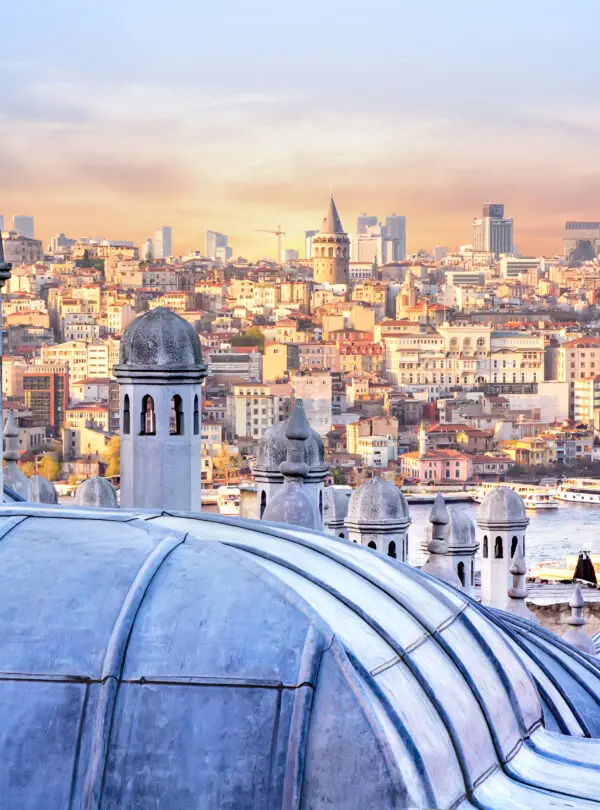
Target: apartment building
{"x": 252, "y": 409}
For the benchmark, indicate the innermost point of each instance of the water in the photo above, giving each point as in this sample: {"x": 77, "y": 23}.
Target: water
{"x": 551, "y": 533}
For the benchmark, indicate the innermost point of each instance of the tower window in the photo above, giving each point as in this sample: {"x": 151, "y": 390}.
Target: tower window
{"x": 513, "y": 546}
{"x": 460, "y": 570}
{"x": 176, "y": 416}
{"x": 126, "y": 414}
{"x": 498, "y": 550}
{"x": 372, "y": 544}
{"x": 263, "y": 502}
{"x": 485, "y": 546}
{"x": 331, "y": 253}
{"x": 148, "y": 417}
{"x": 392, "y": 549}
{"x": 196, "y": 416}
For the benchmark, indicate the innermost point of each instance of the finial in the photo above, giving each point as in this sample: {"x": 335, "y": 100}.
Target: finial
{"x": 438, "y": 565}
{"x": 297, "y": 432}
{"x": 575, "y": 635}
{"x": 11, "y": 436}
{"x": 517, "y": 593}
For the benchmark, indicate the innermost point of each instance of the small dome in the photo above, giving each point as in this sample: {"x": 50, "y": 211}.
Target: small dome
{"x": 97, "y": 492}
{"x": 41, "y": 490}
{"x": 158, "y": 340}
{"x": 336, "y": 500}
{"x": 377, "y": 501}
{"x": 461, "y": 532}
{"x": 502, "y": 506}
{"x": 272, "y": 449}
{"x": 293, "y": 505}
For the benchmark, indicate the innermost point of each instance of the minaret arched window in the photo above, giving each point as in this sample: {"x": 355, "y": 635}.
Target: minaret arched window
{"x": 513, "y": 546}
{"x": 498, "y": 550}
{"x": 485, "y": 546}
{"x": 176, "y": 416}
{"x": 196, "y": 416}
{"x": 372, "y": 544}
{"x": 263, "y": 502}
{"x": 321, "y": 505}
{"x": 460, "y": 570}
{"x": 148, "y": 417}
{"x": 126, "y": 415}
{"x": 392, "y": 549}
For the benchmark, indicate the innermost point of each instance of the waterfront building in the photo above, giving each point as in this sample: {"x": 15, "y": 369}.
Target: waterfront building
{"x": 586, "y": 401}
{"x": 578, "y": 359}
{"x": 438, "y": 466}
{"x": 331, "y": 249}
{"x": 493, "y": 232}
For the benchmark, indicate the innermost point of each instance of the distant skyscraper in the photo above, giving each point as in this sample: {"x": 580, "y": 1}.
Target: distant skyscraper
{"x": 24, "y": 225}
{"x": 214, "y": 241}
{"x": 147, "y": 251}
{"x": 1, "y": 222}
{"x": 395, "y": 235}
{"x": 440, "y": 252}
{"x": 163, "y": 242}
{"x": 493, "y": 232}
{"x": 581, "y": 240}
{"x": 308, "y": 237}
{"x": 365, "y": 221}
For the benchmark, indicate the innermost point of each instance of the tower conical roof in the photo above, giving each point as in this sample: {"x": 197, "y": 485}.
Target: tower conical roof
{"x": 332, "y": 222}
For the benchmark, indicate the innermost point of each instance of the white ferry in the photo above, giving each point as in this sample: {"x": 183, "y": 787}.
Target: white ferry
{"x": 228, "y": 500}
{"x": 580, "y": 490}
{"x": 534, "y": 497}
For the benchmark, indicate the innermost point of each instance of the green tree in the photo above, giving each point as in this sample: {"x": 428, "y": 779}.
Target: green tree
{"x": 339, "y": 476}
{"x": 28, "y": 467}
{"x": 252, "y": 337}
{"x": 49, "y": 467}
{"x": 112, "y": 457}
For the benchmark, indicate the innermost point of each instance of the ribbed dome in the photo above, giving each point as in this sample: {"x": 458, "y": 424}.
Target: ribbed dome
{"x": 41, "y": 490}
{"x": 97, "y": 492}
{"x": 377, "y": 501}
{"x": 500, "y": 507}
{"x": 160, "y": 340}
{"x": 292, "y": 505}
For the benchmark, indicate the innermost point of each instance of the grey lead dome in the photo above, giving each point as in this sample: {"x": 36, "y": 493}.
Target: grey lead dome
{"x": 377, "y": 500}
{"x": 160, "y": 340}
{"x": 502, "y": 507}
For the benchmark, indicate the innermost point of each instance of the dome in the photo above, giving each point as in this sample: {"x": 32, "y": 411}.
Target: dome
{"x": 461, "y": 532}
{"x": 96, "y": 492}
{"x": 41, "y": 490}
{"x": 292, "y": 504}
{"x": 502, "y": 507}
{"x": 377, "y": 501}
{"x": 160, "y": 340}
{"x": 336, "y": 500}
{"x": 272, "y": 450}
{"x": 172, "y": 662}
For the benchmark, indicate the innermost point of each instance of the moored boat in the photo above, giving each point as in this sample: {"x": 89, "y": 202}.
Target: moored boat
{"x": 579, "y": 490}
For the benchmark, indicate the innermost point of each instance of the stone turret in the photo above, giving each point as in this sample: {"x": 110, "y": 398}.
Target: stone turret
{"x": 502, "y": 521}
{"x": 576, "y": 636}
{"x": 462, "y": 548}
{"x": 293, "y": 503}
{"x": 378, "y": 517}
{"x": 41, "y": 490}
{"x": 438, "y": 564}
{"x": 96, "y": 492}
{"x": 336, "y": 500}
{"x": 517, "y": 593}
{"x": 13, "y": 476}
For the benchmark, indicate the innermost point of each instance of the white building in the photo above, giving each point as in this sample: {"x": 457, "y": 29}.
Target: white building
{"x": 163, "y": 242}
{"x": 316, "y": 392}
{"x": 493, "y": 232}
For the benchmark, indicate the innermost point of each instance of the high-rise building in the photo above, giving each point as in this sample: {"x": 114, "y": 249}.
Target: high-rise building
{"x": 60, "y": 242}
{"x": 493, "y": 232}
{"x": 440, "y": 252}
{"x": 395, "y": 236}
{"x": 331, "y": 249}
{"x": 214, "y": 241}
{"x": 365, "y": 221}
{"x": 163, "y": 242}
{"x": 46, "y": 392}
{"x": 147, "y": 251}
{"x": 308, "y": 239}
{"x": 581, "y": 240}
{"x": 1, "y": 222}
{"x": 25, "y": 225}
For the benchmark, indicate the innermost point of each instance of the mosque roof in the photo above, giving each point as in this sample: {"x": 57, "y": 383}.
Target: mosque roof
{"x": 160, "y": 340}
{"x": 184, "y": 661}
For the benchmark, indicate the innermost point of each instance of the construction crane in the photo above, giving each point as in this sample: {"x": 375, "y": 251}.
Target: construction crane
{"x": 278, "y": 233}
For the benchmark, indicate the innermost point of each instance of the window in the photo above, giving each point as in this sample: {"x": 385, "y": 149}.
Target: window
{"x": 392, "y": 549}
{"x": 513, "y": 546}
{"x": 498, "y": 550}
{"x": 461, "y": 573}
{"x": 148, "y": 417}
{"x": 372, "y": 544}
{"x": 196, "y": 416}
{"x": 263, "y": 502}
{"x": 485, "y": 546}
{"x": 126, "y": 415}
{"x": 176, "y": 416}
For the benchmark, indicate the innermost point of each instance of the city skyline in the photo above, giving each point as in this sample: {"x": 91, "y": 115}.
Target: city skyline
{"x": 256, "y": 143}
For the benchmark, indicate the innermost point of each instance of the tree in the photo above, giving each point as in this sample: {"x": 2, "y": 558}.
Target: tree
{"x": 227, "y": 463}
{"x": 339, "y": 476}
{"x": 112, "y": 457}
{"x": 28, "y": 467}
{"x": 252, "y": 337}
{"x": 49, "y": 467}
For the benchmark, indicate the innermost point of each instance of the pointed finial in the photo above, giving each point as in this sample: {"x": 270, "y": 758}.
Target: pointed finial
{"x": 576, "y": 636}
{"x": 438, "y": 564}
{"x": 517, "y": 593}
{"x": 297, "y": 432}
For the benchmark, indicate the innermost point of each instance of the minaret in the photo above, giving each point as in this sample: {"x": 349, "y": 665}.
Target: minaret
{"x": 502, "y": 521}
{"x": 5, "y": 269}
{"x": 331, "y": 250}
{"x": 293, "y": 503}
{"x": 576, "y": 636}
{"x": 159, "y": 372}
{"x": 422, "y": 440}
{"x": 517, "y": 593}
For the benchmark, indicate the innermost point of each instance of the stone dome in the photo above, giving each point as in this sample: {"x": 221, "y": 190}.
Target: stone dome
{"x": 160, "y": 340}
{"x": 461, "y": 531}
{"x": 41, "y": 490}
{"x": 377, "y": 501}
{"x": 336, "y": 500}
{"x": 272, "y": 449}
{"x": 502, "y": 507}
{"x": 96, "y": 491}
{"x": 172, "y": 662}
{"x": 293, "y": 505}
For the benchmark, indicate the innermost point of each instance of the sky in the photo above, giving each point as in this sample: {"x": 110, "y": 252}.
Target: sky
{"x": 118, "y": 116}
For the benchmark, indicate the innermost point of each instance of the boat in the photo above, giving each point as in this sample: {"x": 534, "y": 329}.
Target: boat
{"x": 228, "y": 500}
{"x": 559, "y": 570}
{"x": 534, "y": 497}
{"x": 579, "y": 490}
